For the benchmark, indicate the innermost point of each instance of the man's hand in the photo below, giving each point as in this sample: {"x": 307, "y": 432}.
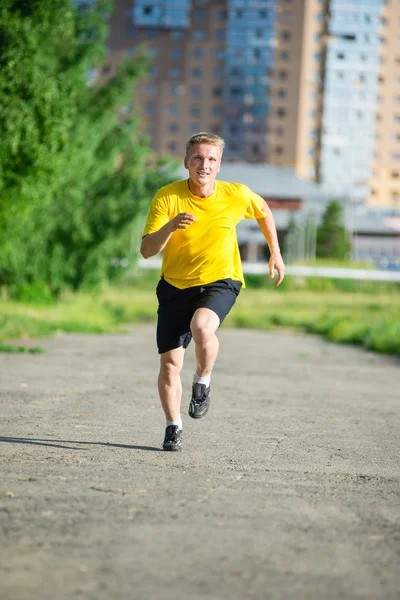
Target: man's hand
{"x": 181, "y": 221}
{"x": 276, "y": 262}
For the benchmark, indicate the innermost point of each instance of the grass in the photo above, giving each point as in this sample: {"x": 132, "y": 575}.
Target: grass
{"x": 346, "y": 311}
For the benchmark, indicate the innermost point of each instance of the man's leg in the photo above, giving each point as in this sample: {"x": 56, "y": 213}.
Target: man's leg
{"x": 169, "y": 383}
{"x": 204, "y": 324}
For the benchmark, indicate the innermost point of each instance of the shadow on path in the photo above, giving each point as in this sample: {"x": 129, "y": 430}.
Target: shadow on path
{"x": 57, "y": 444}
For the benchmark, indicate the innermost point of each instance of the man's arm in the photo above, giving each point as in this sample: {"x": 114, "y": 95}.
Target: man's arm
{"x": 267, "y": 226}
{"x": 153, "y": 243}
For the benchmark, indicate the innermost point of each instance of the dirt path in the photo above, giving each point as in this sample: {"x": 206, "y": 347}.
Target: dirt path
{"x": 288, "y": 489}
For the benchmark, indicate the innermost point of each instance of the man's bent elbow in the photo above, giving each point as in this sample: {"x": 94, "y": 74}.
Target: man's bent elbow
{"x": 144, "y": 251}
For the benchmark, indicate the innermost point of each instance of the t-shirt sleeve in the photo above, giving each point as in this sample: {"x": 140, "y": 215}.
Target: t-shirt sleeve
{"x": 159, "y": 214}
{"x": 254, "y": 206}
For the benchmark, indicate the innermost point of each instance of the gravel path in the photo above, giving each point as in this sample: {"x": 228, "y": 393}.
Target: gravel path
{"x": 288, "y": 489}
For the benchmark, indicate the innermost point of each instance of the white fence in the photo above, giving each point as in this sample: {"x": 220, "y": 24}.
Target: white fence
{"x": 261, "y": 268}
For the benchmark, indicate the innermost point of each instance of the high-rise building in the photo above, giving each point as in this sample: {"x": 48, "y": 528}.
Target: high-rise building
{"x": 385, "y": 177}
{"x": 325, "y": 90}
{"x": 287, "y": 82}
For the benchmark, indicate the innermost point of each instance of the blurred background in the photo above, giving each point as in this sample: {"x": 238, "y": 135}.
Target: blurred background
{"x": 306, "y": 94}
{"x": 97, "y": 100}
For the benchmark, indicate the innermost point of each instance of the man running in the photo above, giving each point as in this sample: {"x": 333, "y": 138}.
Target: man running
{"x": 194, "y": 222}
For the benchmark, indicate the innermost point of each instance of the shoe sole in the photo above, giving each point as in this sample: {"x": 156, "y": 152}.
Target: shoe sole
{"x": 172, "y": 448}
{"x": 197, "y": 416}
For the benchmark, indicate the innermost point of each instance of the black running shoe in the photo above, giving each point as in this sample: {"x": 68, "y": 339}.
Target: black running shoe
{"x": 173, "y": 438}
{"x": 200, "y": 402}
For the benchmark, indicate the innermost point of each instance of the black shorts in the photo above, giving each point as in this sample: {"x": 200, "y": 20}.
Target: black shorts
{"x": 176, "y": 308}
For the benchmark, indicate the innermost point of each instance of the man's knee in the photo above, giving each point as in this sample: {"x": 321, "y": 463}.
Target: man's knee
{"x": 171, "y": 365}
{"x": 204, "y": 324}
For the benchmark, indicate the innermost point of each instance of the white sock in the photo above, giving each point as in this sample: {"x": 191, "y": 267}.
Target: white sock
{"x": 177, "y": 422}
{"x": 206, "y": 379}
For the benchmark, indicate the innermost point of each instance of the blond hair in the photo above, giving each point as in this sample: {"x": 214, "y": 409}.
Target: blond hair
{"x": 204, "y": 138}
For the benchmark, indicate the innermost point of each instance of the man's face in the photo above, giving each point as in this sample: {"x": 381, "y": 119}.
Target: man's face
{"x": 203, "y": 163}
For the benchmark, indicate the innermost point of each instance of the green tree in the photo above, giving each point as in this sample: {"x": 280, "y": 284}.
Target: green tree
{"x": 333, "y": 240}
{"x": 74, "y": 175}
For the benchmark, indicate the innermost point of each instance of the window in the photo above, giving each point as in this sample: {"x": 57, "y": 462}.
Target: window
{"x": 198, "y": 53}
{"x": 216, "y": 128}
{"x": 281, "y": 112}
{"x": 172, "y": 147}
{"x": 177, "y": 90}
{"x": 236, "y": 91}
{"x": 395, "y": 174}
{"x": 284, "y": 55}
{"x": 195, "y": 91}
{"x": 151, "y": 33}
{"x": 285, "y": 36}
{"x": 219, "y": 54}
{"x": 173, "y": 109}
{"x": 317, "y": 56}
{"x": 200, "y": 15}
{"x": 282, "y": 93}
{"x": 221, "y": 15}
{"x": 263, "y": 14}
{"x": 151, "y": 89}
{"x": 153, "y": 71}
{"x": 218, "y": 73}
{"x": 152, "y": 52}
{"x": 194, "y": 128}
{"x": 239, "y": 13}
{"x": 340, "y": 56}
{"x": 195, "y": 111}
{"x": 150, "y": 108}
{"x": 278, "y": 149}
{"x": 199, "y": 35}
{"x": 218, "y": 91}
{"x": 176, "y": 53}
{"x": 131, "y": 32}
{"x": 218, "y": 111}
{"x": 282, "y": 75}
{"x": 220, "y": 34}
{"x": 177, "y": 34}
{"x": 197, "y": 72}
{"x": 173, "y": 128}
{"x": 148, "y": 10}
{"x": 174, "y": 73}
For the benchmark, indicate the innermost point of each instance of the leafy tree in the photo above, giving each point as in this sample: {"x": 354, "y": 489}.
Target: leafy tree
{"x": 332, "y": 238}
{"x": 74, "y": 175}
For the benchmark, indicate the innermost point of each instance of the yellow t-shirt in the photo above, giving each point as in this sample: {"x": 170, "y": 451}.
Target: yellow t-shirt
{"x": 207, "y": 250}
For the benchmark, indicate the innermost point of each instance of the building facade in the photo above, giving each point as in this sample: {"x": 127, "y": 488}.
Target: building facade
{"x": 308, "y": 84}
{"x": 385, "y": 176}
